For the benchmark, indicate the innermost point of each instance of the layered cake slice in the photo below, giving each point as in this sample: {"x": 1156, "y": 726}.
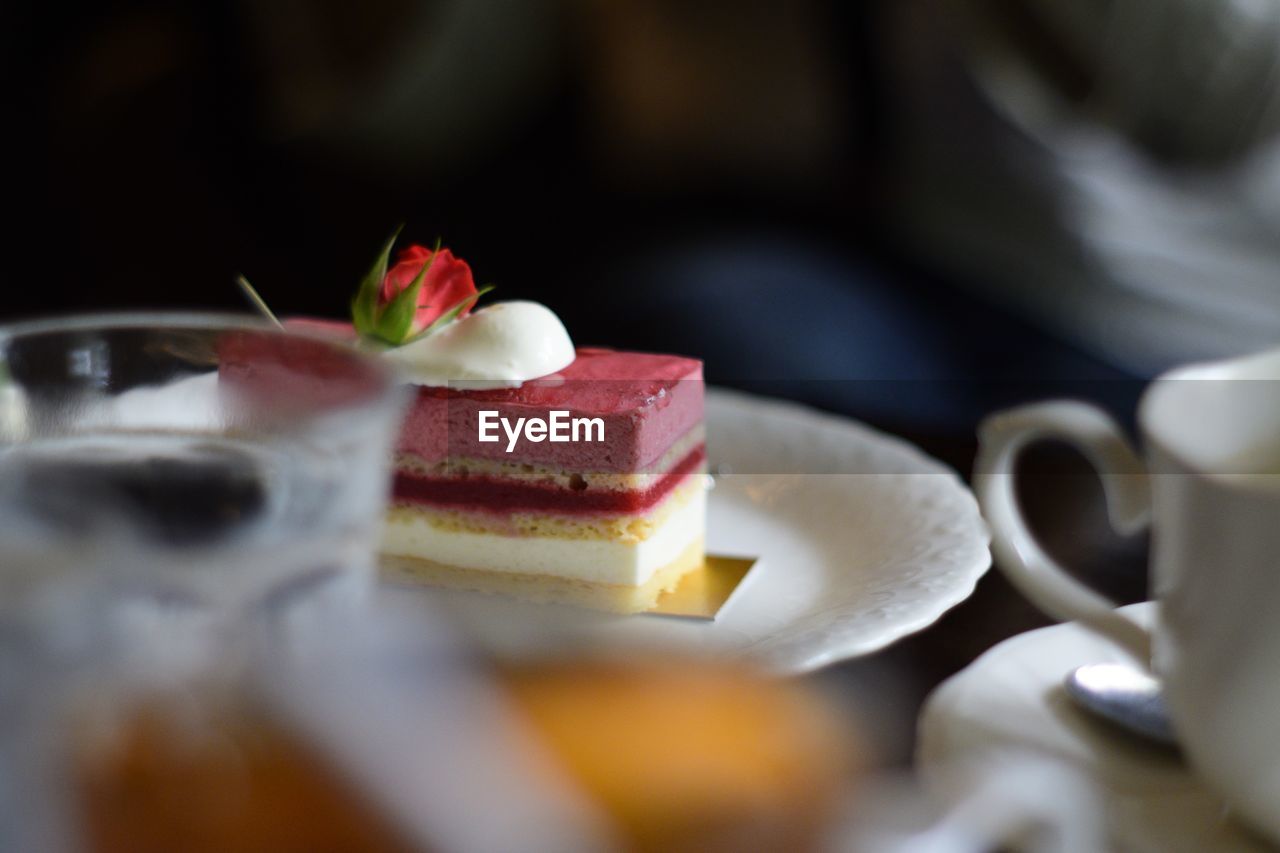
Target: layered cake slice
{"x": 525, "y": 465}
{"x": 488, "y": 497}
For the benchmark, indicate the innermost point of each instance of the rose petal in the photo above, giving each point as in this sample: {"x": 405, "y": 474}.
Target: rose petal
{"x": 447, "y": 282}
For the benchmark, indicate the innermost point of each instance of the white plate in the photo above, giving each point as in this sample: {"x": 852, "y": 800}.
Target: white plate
{"x": 1011, "y": 699}
{"x": 862, "y": 539}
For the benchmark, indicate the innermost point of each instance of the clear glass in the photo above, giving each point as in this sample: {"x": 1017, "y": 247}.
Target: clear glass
{"x": 209, "y": 463}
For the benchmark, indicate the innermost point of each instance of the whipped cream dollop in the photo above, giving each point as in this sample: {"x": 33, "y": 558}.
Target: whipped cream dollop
{"x": 500, "y": 346}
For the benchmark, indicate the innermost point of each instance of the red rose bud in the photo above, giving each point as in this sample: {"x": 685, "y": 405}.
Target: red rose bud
{"x": 448, "y": 281}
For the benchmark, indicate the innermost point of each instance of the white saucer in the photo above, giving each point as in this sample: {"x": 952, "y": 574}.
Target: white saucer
{"x": 1011, "y": 699}
{"x": 862, "y": 539}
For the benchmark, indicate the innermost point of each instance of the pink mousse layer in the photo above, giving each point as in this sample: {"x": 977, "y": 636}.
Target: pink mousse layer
{"x": 647, "y": 402}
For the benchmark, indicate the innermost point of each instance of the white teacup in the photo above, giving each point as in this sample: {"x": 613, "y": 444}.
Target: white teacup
{"x": 1210, "y": 486}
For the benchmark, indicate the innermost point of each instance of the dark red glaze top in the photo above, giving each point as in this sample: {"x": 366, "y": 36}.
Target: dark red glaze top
{"x": 294, "y": 374}
{"x": 647, "y": 402}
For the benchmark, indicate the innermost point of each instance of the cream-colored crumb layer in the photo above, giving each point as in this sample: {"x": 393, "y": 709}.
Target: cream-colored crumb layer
{"x": 627, "y": 528}
{"x": 545, "y": 589}
{"x": 462, "y": 467}
{"x": 594, "y": 560}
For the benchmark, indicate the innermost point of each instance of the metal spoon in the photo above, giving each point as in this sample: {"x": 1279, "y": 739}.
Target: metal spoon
{"x": 1123, "y": 695}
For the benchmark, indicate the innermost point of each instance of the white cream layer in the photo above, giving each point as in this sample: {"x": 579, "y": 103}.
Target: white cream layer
{"x": 593, "y": 560}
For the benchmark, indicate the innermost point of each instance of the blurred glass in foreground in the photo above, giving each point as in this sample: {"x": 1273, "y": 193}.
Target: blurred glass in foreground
{"x": 374, "y": 730}
{"x": 207, "y": 463}
{"x": 367, "y": 731}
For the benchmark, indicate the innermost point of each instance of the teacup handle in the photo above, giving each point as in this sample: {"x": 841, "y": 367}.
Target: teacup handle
{"x": 1039, "y": 577}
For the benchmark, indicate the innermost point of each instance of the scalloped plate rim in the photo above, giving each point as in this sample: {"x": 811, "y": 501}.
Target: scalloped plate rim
{"x": 835, "y": 653}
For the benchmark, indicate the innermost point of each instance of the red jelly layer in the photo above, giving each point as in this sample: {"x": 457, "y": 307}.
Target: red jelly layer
{"x": 494, "y": 494}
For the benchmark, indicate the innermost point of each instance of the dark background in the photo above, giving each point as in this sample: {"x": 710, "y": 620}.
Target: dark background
{"x": 711, "y": 178}
{"x": 708, "y": 178}
{"x": 169, "y": 145}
